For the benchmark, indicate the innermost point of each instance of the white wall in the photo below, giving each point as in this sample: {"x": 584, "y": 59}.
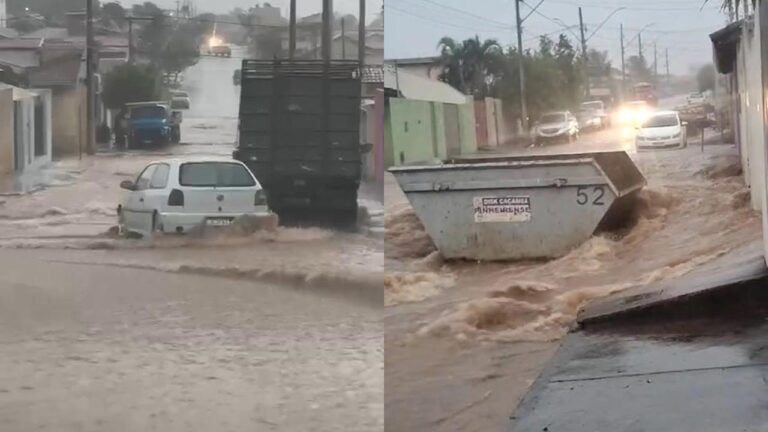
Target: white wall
{"x": 27, "y": 98}
{"x": 3, "y": 14}
{"x": 750, "y": 106}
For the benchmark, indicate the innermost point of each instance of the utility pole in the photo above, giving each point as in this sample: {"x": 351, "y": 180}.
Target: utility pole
{"x": 523, "y": 107}
{"x": 361, "y": 36}
{"x": 655, "y": 64}
{"x": 327, "y": 26}
{"x": 666, "y": 55}
{"x": 89, "y": 57}
{"x": 640, "y": 45}
{"x": 130, "y": 40}
{"x": 623, "y": 72}
{"x": 343, "y": 40}
{"x": 292, "y": 31}
{"x": 178, "y": 9}
{"x": 584, "y": 53}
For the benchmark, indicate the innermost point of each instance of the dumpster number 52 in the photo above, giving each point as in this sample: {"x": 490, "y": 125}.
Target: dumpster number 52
{"x": 586, "y": 194}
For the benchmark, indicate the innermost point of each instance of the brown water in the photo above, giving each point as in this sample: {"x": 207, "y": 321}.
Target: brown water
{"x": 694, "y": 210}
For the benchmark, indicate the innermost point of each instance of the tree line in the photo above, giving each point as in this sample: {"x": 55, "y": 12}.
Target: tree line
{"x": 554, "y": 71}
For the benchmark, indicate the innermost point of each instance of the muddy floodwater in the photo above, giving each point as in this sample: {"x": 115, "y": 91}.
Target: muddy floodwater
{"x": 465, "y": 340}
{"x": 223, "y": 330}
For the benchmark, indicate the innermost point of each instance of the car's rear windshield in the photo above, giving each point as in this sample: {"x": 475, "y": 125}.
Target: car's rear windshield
{"x": 179, "y": 104}
{"x": 147, "y": 112}
{"x": 553, "y": 118}
{"x": 664, "y": 120}
{"x": 215, "y": 174}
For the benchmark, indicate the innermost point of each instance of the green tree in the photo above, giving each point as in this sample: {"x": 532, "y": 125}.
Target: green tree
{"x": 146, "y": 9}
{"x": 170, "y": 45}
{"x": 471, "y": 66}
{"x": 638, "y": 69}
{"x": 570, "y": 67}
{"x": 130, "y": 83}
{"x": 706, "y": 77}
{"x": 114, "y": 12}
{"x": 26, "y": 24}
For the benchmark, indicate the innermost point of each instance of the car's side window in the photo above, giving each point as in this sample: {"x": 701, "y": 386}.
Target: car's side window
{"x": 160, "y": 177}
{"x": 142, "y": 183}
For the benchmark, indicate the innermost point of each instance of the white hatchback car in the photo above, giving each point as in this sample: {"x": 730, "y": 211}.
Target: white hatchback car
{"x": 174, "y": 196}
{"x": 662, "y": 129}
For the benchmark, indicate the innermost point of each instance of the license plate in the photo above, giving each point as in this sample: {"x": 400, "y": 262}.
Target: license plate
{"x": 218, "y": 221}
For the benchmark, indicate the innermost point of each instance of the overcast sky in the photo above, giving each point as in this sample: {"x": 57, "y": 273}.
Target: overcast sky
{"x": 304, "y": 7}
{"x": 678, "y": 25}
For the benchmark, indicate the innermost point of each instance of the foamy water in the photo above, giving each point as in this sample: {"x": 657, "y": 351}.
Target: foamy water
{"x": 687, "y": 216}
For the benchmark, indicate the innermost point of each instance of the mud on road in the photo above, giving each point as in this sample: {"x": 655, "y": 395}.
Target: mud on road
{"x": 479, "y": 332}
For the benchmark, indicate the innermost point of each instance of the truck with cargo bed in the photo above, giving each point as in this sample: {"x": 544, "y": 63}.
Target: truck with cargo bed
{"x": 299, "y": 132}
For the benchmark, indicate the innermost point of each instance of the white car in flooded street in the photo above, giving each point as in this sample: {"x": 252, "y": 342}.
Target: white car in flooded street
{"x": 173, "y": 196}
{"x": 663, "y": 129}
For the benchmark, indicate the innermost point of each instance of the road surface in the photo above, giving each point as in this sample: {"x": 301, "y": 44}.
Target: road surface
{"x": 93, "y": 348}
{"x": 270, "y": 331}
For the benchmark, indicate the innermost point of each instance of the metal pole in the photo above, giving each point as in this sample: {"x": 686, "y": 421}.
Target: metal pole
{"x": 292, "y": 31}
{"x": 584, "y": 53}
{"x": 89, "y": 121}
{"x": 623, "y": 72}
{"x": 130, "y": 40}
{"x": 361, "y": 35}
{"x": 343, "y": 41}
{"x": 640, "y": 45}
{"x": 327, "y": 26}
{"x": 521, "y": 67}
{"x": 666, "y": 55}
{"x": 655, "y": 64}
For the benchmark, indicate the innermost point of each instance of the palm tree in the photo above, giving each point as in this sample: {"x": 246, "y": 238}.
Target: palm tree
{"x": 469, "y": 66}
{"x": 733, "y": 5}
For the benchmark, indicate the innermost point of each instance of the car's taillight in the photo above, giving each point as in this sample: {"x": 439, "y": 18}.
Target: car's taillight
{"x": 176, "y": 198}
{"x": 260, "y": 199}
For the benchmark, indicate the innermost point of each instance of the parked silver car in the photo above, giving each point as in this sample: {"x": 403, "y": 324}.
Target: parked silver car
{"x": 555, "y": 126}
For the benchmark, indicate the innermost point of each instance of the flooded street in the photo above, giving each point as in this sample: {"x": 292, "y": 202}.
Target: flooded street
{"x": 221, "y": 331}
{"x": 482, "y": 332}
{"x": 91, "y": 348}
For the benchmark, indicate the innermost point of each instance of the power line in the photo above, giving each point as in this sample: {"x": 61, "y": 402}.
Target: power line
{"x": 631, "y": 7}
{"x": 433, "y": 20}
{"x": 499, "y": 23}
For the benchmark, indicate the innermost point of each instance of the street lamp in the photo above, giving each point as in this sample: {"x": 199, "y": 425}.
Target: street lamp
{"x": 599, "y": 26}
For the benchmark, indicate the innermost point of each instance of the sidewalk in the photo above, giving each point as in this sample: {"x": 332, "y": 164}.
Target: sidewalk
{"x": 689, "y": 355}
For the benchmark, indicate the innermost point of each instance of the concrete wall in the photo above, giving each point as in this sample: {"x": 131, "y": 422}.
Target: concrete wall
{"x": 6, "y": 131}
{"x": 18, "y": 130}
{"x": 413, "y": 132}
{"x": 492, "y": 121}
{"x": 754, "y": 115}
{"x": 750, "y": 130}
{"x": 418, "y": 131}
{"x": 467, "y": 127}
{"x": 68, "y": 122}
{"x": 34, "y": 159}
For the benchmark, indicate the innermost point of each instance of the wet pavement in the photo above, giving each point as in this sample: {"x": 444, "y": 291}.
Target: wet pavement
{"x": 94, "y": 348}
{"x": 699, "y": 376}
{"x": 223, "y": 331}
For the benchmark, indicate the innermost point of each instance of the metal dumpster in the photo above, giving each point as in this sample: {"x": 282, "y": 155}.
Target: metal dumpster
{"x": 506, "y": 207}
